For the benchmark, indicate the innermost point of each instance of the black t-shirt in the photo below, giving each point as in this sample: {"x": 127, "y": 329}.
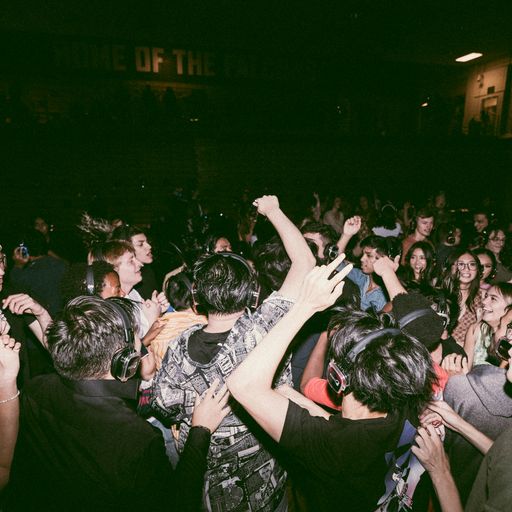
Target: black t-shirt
{"x": 340, "y": 463}
{"x": 203, "y": 346}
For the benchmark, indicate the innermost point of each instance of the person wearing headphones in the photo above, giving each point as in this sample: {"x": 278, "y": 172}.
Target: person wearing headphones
{"x": 243, "y": 473}
{"x": 81, "y": 444}
{"x": 385, "y": 376}
{"x": 421, "y": 229}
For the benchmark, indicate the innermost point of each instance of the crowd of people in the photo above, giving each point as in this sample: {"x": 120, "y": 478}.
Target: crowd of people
{"x": 354, "y": 360}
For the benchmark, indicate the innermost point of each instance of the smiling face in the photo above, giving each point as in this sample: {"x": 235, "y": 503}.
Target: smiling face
{"x": 496, "y": 241}
{"x": 128, "y": 268}
{"x": 142, "y": 248}
{"x": 418, "y": 263}
{"x": 424, "y": 226}
{"x": 466, "y": 267}
{"x": 493, "y": 308}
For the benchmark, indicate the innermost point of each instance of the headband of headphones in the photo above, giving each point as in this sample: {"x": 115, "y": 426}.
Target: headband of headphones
{"x": 338, "y": 375}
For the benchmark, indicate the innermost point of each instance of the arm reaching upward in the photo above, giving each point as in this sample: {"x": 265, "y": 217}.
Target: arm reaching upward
{"x": 296, "y": 247}
{"x": 251, "y": 382}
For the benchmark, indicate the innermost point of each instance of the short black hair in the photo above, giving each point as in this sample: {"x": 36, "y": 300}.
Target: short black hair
{"x": 385, "y": 246}
{"x": 272, "y": 263}
{"x": 394, "y": 372}
{"x": 83, "y": 339}
{"x": 223, "y": 283}
{"x": 178, "y": 291}
{"x": 326, "y": 232}
{"x": 444, "y": 303}
{"x": 125, "y": 232}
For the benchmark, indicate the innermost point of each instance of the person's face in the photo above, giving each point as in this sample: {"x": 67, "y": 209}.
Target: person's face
{"x": 41, "y": 225}
{"x": 363, "y": 202}
{"x": 466, "y": 267}
{"x": 494, "y": 305}
{"x": 337, "y": 203}
{"x": 128, "y": 268}
{"x": 486, "y": 264}
{"x": 3, "y": 267}
{"x": 368, "y": 259}
{"x": 142, "y": 249}
{"x": 496, "y": 241}
{"x": 317, "y": 239}
{"x": 418, "y": 262}
{"x": 424, "y": 225}
{"x": 111, "y": 286}
{"x": 223, "y": 245}
{"x": 480, "y": 221}
{"x": 440, "y": 201}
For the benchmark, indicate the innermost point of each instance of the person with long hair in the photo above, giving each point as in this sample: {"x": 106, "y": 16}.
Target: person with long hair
{"x": 419, "y": 268}
{"x": 461, "y": 277}
{"x": 488, "y": 264}
{"x": 479, "y": 345}
{"x": 496, "y": 244}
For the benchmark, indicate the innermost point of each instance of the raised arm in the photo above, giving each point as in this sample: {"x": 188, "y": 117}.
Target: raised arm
{"x": 20, "y": 304}
{"x": 251, "y": 382}
{"x": 294, "y": 243}
{"x": 386, "y": 268}
{"x": 350, "y": 228}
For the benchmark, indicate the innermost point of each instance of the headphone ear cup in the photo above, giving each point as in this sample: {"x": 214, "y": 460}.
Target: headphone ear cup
{"x": 125, "y": 363}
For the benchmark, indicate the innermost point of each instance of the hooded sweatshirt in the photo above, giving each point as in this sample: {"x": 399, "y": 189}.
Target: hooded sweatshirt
{"x": 483, "y": 398}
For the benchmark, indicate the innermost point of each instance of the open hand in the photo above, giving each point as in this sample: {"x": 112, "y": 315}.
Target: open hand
{"x": 319, "y": 291}
{"x": 211, "y": 409}
{"x": 430, "y": 451}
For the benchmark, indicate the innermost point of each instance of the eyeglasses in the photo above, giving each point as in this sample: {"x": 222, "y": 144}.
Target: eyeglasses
{"x": 3, "y": 260}
{"x": 470, "y": 265}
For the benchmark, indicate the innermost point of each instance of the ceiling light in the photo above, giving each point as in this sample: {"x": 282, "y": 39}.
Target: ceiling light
{"x": 469, "y": 56}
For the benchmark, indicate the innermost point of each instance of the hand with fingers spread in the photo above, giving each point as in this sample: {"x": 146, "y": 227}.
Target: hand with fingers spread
{"x": 266, "y": 204}
{"x": 455, "y": 364}
{"x": 320, "y": 288}
{"x": 352, "y": 226}
{"x": 210, "y": 410}
{"x": 21, "y": 303}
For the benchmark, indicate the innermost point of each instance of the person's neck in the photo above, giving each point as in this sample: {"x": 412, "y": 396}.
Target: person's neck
{"x": 354, "y": 410}
{"x": 127, "y": 288}
{"x": 222, "y": 323}
{"x": 419, "y": 237}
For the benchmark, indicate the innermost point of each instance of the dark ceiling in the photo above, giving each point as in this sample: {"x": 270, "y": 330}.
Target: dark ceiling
{"x": 434, "y": 32}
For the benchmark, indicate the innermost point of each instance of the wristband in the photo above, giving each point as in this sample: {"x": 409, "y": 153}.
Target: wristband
{"x": 198, "y": 426}
{"x": 16, "y": 396}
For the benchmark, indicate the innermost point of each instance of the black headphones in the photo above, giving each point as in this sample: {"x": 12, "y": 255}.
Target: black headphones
{"x": 126, "y": 360}
{"x": 338, "y": 374}
{"x": 255, "y": 292}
